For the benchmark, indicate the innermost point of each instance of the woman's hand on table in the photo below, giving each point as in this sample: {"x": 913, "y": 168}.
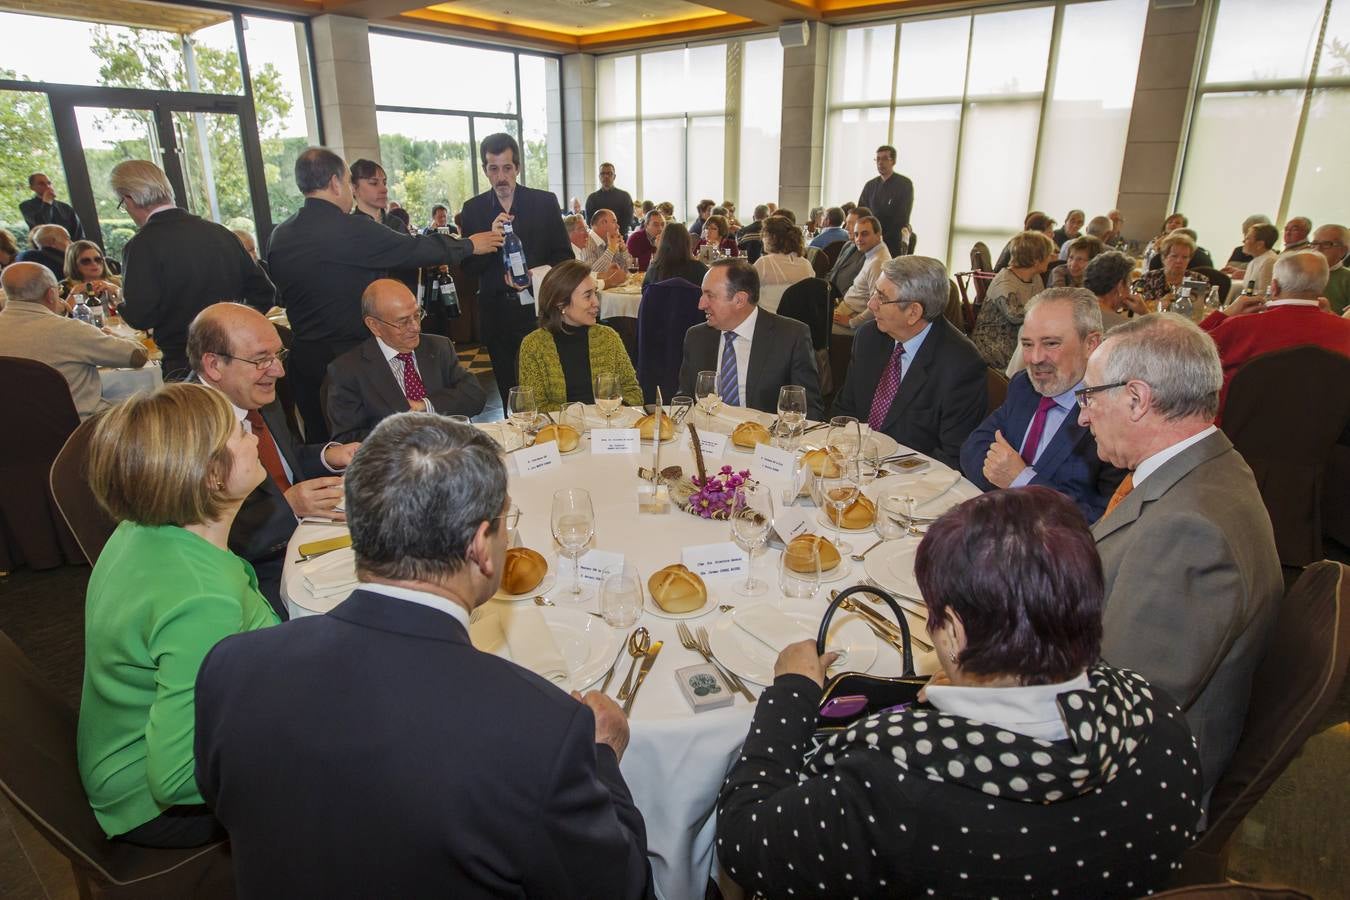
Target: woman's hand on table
{"x": 801, "y": 659}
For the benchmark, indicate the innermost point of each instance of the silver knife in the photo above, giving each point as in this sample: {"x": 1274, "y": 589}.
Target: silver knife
{"x": 647, "y": 663}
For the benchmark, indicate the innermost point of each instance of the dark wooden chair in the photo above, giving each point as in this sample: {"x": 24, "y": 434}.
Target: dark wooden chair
{"x": 88, "y": 521}
{"x": 808, "y": 301}
{"x": 996, "y": 383}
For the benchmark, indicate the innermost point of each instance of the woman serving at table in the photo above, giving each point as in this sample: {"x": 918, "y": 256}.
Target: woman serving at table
{"x": 1037, "y": 770}
{"x": 561, "y": 358}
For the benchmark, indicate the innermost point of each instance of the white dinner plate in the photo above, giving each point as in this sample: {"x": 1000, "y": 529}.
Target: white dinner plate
{"x": 549, "y": 582}
{"x": 753, "y": 660}
{"x": 891, "y": 566}
{"x": 886, "y": 445}
{"x": 839, "y": 572}
{"x": 586, "y": 643}
{"x": 649, "y": 605}
{"x": 925, "y": 487}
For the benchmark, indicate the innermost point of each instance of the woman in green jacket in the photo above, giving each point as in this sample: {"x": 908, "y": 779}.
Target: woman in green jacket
{"x": 173, "y": 467}
{"x": 561, "y": 357}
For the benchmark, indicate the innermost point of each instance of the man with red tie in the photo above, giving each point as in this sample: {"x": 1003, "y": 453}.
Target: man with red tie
{"x": 236, "y": 350}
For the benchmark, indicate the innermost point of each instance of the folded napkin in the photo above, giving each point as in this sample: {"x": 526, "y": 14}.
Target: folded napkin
{"x": 331, "y": 574}
{"x": 531, "y": 643}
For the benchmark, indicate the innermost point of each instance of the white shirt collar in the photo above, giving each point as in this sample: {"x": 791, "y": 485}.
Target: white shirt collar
{"x": 1291, "y": 301}
{"x": 425, "y": 598}
{"x": 159, "y": 209}
{"x": 240, "y": 414}
{"x": 389, "y": 352}
{"x": 746, "y": 330}
{"x": 1155, "y": 462}
{"x": 1031, "y": 710}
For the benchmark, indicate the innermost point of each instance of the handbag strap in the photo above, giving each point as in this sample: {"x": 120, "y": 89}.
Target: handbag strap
{"x": 907, "y": 650}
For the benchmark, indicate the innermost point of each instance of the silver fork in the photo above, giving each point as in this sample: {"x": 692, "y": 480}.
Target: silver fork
{"x": 688, "y": 642}
{"x": 705, "y": 648}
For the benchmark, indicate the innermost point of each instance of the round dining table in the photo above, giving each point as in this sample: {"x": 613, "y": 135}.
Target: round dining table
{"x": 676, "y": 760}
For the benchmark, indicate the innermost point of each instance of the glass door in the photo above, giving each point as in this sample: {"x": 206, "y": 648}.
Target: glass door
{"x": 215, "y": 178}
{"x": 109, "y": 136}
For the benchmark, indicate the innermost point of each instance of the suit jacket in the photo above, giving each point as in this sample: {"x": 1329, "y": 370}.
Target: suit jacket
{"x": 538, "y": 224}
{"x": 37, "y": 213}
{"x": 941, "y": 399}
{"x": 1193, "y": 586}
{"x": 1069, "y": 463}
{"x": 845, "y": 269}
{"x": 50, "y": 257}
{"x": 412, "y": 764}
{"x": 780, "y": 353}
{"x": 179, "y": 264}
{"x": 362, "y": 389}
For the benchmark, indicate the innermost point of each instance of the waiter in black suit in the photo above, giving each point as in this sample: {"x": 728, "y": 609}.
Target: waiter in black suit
{"x": 913, "y": 375}
{"x": 507, "y": 314}
{"x": 177, "y": 264}
{"x": 411, "y": 763}
{"x": 44, "y": 209}
{"x": 890, "y": 197}
{"x": 397, "y": 369}
{"x": 322, "y": 259}
{"x": 753, "y": 351}
{"x": 238, "y": 352}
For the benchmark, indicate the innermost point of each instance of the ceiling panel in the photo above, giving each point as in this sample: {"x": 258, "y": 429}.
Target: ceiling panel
{"x": 578, "y": 17}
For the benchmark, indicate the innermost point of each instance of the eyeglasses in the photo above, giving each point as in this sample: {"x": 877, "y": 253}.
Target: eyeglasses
{"x": 91, "y": 260}
{"x": 1325, "y": 245}
{"x": 1084, "y": 395}
{"x": 121, "y": 203}
{"x": 263, "y": 363}
{"x": 407, "y": 323}
{"x": 511, "y": 517}
{"x": 883, "y": 300}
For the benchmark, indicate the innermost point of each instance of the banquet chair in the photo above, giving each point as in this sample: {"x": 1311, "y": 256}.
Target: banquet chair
{"x": 41, "y": 777}
{"x": 669, "y": 309}
{"x": 808, "y": 301}
{"x": 285, "y": 396}
{"x": 832, "y": 251}
{"x": 1287, "y": 434}
{"x": 820, "y": 262}
{"x": 1299, "y": 678}
{"x": 753, "y": 249}
{"x": 36, "y": 404}
{"x": 996, "y": 384}
{"x": 88, "y": 521}
{"x": 1222, "y": 279}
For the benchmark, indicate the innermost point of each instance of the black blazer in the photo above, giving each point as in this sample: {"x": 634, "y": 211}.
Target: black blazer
{"x": 392, "y": 759}
{"x": 50, "y": 257}
{"x": 846, "y": 268}
{"x": 780, "y": 354}
{"x": 177, "y": 265}
{"x": 36, "y": 213}
{"x": 362, "y": 389}
{"x": 941, "y": 399}
{"x": 538, "y": 224}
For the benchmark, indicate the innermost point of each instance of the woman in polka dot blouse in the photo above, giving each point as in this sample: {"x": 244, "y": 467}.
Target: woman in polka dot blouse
{"x": 1033, "y": 770}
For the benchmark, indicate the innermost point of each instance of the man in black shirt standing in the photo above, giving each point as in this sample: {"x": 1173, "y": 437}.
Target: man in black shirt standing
{"x": 505, "y": 313}
{"x": 890, "y": 197}
{"x": 322, "y": 259}
{"x": 44, "y": 209}
{"x": 617, "y": 201}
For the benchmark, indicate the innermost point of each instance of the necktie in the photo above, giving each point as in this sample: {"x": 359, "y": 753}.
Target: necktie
{"x": 413, "y": 388}
{"x": 1121, "y": 493}
{"x": 726, "y": 374}
{"x": 887, "y": 388}
{"x": 267, "y": 450}
{"x": 1037, "y": 429}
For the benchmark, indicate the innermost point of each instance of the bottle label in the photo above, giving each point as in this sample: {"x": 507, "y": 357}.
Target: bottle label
{"x": 517, "y": 263}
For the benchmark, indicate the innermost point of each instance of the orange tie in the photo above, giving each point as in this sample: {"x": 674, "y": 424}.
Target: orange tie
{"x": 1121, "y": 493}
{"x": 267, "y": 450}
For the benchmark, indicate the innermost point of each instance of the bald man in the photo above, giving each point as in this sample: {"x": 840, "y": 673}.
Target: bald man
{"x": 49, "y": 249}
{"x": 397, "y": 369}
{"x": 234, "y": 349}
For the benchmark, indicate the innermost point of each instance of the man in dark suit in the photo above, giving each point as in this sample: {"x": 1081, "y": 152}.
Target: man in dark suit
{"x": 396, "y": 370}
{"x": 49, "y": 249}
{"x": 44, "y": 209}
{"x": 322, "y": 259}
{"x": 912, "y": 374}
{"x": 753, "y": 351}
{"x": 1193, "y": 581}
{"x": 506, "y": 313}
{"x": 238, "y": 352}
{"x": 890, "y": 196}
{"x": 412, "y": 763}
{"x": 177, "y": 264}
{"x": 1034, "y": 437}
{"x": 850, "y": 260}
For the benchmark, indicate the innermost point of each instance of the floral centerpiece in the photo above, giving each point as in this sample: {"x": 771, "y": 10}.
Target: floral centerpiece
{"x": 709, "y": 496}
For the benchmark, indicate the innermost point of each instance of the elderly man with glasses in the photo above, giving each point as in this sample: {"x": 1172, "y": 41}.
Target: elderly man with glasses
{"x": 235, "y": 350}
{"x": 397, "y": 369}
{"x": 1333, "y": 242}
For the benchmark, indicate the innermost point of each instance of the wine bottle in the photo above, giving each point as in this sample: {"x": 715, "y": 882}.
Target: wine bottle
{"x": 1250, "y": 289}
{"x": 513, "y": 257}
{"x": 449, "y": 296}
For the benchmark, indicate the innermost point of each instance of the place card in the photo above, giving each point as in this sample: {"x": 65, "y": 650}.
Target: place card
{"x": 713, "y": 444}
{"x": 724, "y": 558}
{"x": 536, "y": 459}
{"x": 791, "y": 521}
{"x": 615, "y": 440}
{"x": 594, "y": 563}
{"x": 775, "y": 469}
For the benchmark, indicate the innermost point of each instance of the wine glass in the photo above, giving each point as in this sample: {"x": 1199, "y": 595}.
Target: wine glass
{"x": 751, "y": 518}
{"x": 839, "y": 491}
{"x": 522, "y": 409}
{"x": 843, "y": 439}
{"x": 608, "y": 396}
{"x": 680, "y": 405}
{"x": 791, "y": 410}
{"x": 705, "y": 389}
{"x": 621, "y": 596}
{"x": 573, "y": 527}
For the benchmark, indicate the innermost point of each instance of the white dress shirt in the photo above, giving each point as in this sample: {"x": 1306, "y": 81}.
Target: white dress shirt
{"x": 425, "y": 598}
{"x": 1031, "y": 710}
{"x": 864, "y": 283}
{"x": 396, "y": 366}
{"x": 1154, "y": 462}
{"x": 1055, "y": 416}
{"x": 745, "y": 334}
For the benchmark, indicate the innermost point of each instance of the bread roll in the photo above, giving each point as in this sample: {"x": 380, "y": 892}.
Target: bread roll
{"x": 647, "y": 424}
{"x": 748, "y": 434}
{"x": 798, "y": 553}
{"x": 523, "y": 571}
{"x": 820, "y": 463}
{"x": 861, "y": 513}
{"x": 677, "y": 590}
{"x": 565, "y": 435}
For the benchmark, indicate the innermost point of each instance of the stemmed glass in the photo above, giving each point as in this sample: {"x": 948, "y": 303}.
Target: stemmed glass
{"x": 573, "y": 527}
{"x": 522, "y": 409}
{"x": 839, "y": 491}
{"x": 843, "y": 439}
{"x": 705, "y": 389}
{"x": 791, "y": 411}
{"x": 608, "y": 396}
{"x": 751, "y": 518}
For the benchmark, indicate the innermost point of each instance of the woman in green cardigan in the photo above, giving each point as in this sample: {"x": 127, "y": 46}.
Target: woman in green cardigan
{"x": 173, "y": 467}
{"x": 561, "y": 357}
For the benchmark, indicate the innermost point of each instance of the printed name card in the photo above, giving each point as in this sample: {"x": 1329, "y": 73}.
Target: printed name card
{"x": 713, "y": 444}
{"x": 790, "y": 522}
{"x": 536, "y": 459}
{"x": 715, "y": 559}
{"x": 774, "y": 467}
{"x": 594, "y": 563}
{"x": 615, "y": 440}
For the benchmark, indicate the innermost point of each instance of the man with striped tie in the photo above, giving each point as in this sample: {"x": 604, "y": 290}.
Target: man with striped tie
{"x": 753, "y": 351}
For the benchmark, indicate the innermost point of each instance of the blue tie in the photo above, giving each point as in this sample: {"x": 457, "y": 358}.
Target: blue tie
{"x": 726, "y": 374}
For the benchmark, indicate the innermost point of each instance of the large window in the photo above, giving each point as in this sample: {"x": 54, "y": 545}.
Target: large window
{"x": 991, "y": 115}
{"x": 1267, "y": 133}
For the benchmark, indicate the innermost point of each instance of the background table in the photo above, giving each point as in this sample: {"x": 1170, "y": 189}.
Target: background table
{"x": 622, "y": 301}
{"x": 119, "y": 384}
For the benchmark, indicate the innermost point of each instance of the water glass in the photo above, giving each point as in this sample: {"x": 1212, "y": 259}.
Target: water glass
{"x": 791, "y": 411}
{"x": 573, "y": 520}
{"x": 843, "y": 439}
{"x": 800, "y": 585}
{"x": 705, "y": 389}
{"x": 608, "y": 396}
{"x": 838, "y": 491}
{"x": 751, "y": 519}
{"x": 680, "y": 405}
{"x": 621, "y": 596}
{"x": 573, "y": 415}
{"x": 521, "y": 408}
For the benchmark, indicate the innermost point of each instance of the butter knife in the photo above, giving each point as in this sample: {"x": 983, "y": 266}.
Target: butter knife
{"x": 647, "y": 663}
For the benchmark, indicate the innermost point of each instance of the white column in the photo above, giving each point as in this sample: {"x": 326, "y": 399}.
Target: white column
{"x": 346, "y": 90}
{"x": 578, "y": 95}
{"x": 801, "y": 156}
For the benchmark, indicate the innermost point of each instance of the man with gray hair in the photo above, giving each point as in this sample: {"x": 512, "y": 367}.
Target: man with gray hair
{"x": 177, "y": 264}
{"x": 1333, "y": 242}
{"x": 1098, "y": 227}
{"x": 912, "y": 375}
{"x": 407, "y": 757}
{"x": 1296, "y": 232}
{"x": 1034, "y": 437}
{"x": 1252, "y": 326}
{"x": 49, "y": 249}
{"x": 34, "y": 325}
{"x": 1193, "y": 581}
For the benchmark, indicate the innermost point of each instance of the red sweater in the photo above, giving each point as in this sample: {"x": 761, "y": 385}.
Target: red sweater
{"x": 640, "y": 246}
{"x": 1243, "y": 338}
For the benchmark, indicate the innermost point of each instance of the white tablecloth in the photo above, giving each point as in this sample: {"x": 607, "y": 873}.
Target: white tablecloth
{"x": 676, "y": 760}
{"x": 621, "y": 301}
{"x": 119, "y": 384}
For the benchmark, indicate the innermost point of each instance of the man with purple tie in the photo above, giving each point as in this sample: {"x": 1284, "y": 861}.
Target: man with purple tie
{"x": 1034, "y": 437}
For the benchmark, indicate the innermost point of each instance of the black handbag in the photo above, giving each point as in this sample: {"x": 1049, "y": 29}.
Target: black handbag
{"x": 850, "y": 696}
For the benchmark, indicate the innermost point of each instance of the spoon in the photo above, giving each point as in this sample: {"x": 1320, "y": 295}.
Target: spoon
{"x": 638, "y": 644}
{"x": 858, "y": 557}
